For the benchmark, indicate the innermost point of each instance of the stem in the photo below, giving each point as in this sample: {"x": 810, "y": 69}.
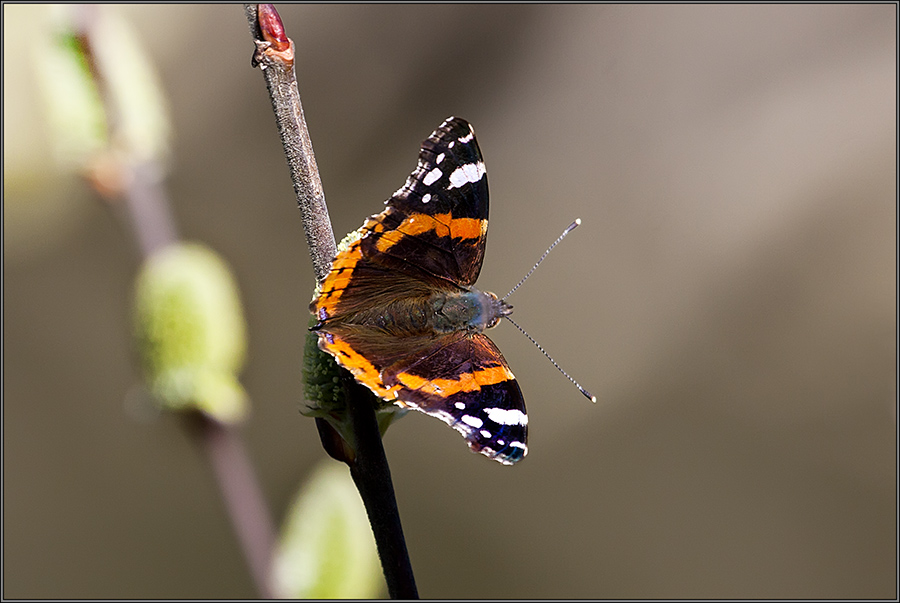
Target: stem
{"x": 148, "y": 210}
{"x": 372, "y": 476}
{"x": 243, "y": 498}
{"x": 368, "y": 467}
{"x": 278, "y": 69}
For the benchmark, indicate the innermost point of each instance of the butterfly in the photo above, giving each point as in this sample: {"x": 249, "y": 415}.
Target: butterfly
{"x": 399, "y": 309}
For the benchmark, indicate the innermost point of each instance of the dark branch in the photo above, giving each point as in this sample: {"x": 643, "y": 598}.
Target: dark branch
{"x": 372, "y": 476}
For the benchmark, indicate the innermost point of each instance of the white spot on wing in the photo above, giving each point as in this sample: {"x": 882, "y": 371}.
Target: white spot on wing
{"x": 426, "y": 199}
{"x": 468, "y": 137}
{"x": 471, "y": 172}
{"x": 459, "y": 405}
{"x": 432, "y": 177}
{"x": 473, "y": 421}
{"x": 486, "y": 433}
{"x": 440, "y": 158}
{"x": 503, "y": 416}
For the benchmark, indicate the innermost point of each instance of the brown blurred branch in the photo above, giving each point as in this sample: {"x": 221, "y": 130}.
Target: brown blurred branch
{"x": 147, "y": 211}
{"x": 242, "y": 496}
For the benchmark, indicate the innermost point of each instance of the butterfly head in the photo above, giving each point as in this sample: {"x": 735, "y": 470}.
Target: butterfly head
{"x": 495, "y": 309}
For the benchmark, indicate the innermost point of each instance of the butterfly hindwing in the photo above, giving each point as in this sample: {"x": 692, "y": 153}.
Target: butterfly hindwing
{"x": 467, "y": 383}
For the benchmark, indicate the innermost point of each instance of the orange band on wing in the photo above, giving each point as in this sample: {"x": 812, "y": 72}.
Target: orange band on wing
{"x": 362, "y": 369}
{"x": 443, "y": 225}
{"x": 468, "y": 228}
{"x": 466, "y": 382}
{"x": 333, "y": 286}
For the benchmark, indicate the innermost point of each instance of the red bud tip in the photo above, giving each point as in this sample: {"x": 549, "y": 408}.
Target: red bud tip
{"x": 272, "y": 28}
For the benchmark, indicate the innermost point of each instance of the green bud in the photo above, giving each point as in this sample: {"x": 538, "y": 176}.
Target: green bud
{"x": 74, "y": 108}
{"x": 190, "y": 331}
{"x": 326, "y": 549}
{"x": 142, "y": 120}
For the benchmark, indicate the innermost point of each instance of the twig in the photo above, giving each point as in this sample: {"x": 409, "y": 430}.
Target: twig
{"x": 243, "y": 497}
{"x": 147, "y": 211}
{"x": 276, "y": 58}
{"x": 368, "y": 466}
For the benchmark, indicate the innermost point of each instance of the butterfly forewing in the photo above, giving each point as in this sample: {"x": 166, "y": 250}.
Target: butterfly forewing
{"x": 437, "y": 222}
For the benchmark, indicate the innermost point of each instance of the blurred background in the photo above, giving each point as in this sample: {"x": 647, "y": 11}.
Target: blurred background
{"x": 730, "y": 298}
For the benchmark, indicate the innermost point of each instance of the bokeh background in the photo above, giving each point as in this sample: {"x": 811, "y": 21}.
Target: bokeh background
{"x": 730, "y": 298}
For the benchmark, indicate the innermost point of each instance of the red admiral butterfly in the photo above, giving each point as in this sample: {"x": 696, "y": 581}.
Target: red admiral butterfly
{"x": 399, "y": 310}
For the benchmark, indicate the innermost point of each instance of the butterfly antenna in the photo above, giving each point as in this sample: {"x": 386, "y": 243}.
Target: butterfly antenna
{"x": 586, "y": 393}
{"x": 569, "y": 229}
